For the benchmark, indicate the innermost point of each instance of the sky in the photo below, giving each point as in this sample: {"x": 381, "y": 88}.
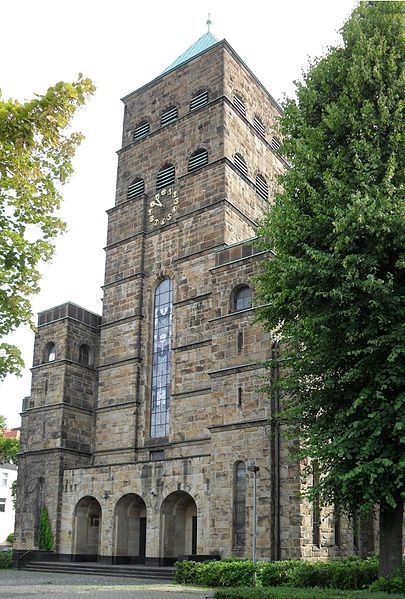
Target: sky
{"x": 122, "y": 45}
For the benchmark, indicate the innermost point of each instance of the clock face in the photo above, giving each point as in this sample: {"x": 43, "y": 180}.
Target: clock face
{"x": 162, "y": 209}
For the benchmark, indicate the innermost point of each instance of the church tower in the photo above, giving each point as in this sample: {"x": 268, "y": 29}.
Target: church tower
{"x": 158, "y": 431}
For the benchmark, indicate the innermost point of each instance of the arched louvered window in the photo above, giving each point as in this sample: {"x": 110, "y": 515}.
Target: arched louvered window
{"x": 141, "y": 130}
{"x": 240, "y": 164}
{"x": 197, "y": 159}
{"x": 261, "y": 187}
{"x": 239, "y": 104}
{"x": 50, "y": 352}
{"x": 241, "y": 298}
{"x": 165, "y": 176}
{"x": 161, "y": 359}
{"x": 259, "y": 126}
{"x": 239, "y": 505}
{"x": 85, "y": 354}
{"x": 275, "y": 144}
{"x": 169, "y": 116}
{"x": 136, "y": 188}
{"x": 199, "y": 100}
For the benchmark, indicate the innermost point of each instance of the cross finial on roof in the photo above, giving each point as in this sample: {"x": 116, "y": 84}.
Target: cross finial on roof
{"x": 209, "y": 22}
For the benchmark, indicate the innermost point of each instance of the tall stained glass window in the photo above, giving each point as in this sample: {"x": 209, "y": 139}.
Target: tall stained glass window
{"x": 162, "y": 341}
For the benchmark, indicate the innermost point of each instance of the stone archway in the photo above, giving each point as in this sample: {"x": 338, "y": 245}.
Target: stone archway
{"x": 178, "y": 526}
{"x": 129, "y": 534}
{"x": 86, "y": 529}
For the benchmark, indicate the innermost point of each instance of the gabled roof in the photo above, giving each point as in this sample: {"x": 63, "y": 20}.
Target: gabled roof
{"x": 203, "y": 43}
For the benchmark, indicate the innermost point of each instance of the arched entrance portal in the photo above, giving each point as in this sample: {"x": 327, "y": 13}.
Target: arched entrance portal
{"x": 86, "y": 529}
{"x": 178, "y": 526}
{"x": 130, "y": 530}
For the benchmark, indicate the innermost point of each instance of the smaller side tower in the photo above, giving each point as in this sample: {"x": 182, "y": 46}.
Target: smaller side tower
{"x": 57, "y": 419}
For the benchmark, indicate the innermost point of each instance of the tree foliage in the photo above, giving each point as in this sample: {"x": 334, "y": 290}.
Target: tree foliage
{"x": 9, "y": 447}
{"x": 36, "y": 152}
{"x": 335, "y": 285}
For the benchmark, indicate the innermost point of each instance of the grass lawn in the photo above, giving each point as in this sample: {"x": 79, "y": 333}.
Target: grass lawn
{"x": 294, "y": 593}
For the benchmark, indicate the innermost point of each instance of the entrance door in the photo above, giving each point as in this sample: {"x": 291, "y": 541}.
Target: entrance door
{"x": 194, "y": 535}
{"x": 142, "y": 540}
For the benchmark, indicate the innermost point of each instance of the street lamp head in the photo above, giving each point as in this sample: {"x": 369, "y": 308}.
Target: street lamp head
{"x": 253, "y": 468}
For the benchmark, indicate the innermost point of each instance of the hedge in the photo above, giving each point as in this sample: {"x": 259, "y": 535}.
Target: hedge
{"x": 225, "y": 573}
{"x": 339, "y": 573}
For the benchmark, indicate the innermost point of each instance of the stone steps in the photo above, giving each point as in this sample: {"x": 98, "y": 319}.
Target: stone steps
{"x": 127, "y": 571}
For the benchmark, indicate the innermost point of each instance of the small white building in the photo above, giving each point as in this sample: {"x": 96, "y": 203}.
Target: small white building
{"x": 8, "y": 474}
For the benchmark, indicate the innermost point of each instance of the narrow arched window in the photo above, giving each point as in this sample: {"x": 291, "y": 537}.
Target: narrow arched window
{"x": 161, "y": 359}
{"x": 259, "y": 125}
{"x": 241, "y": 298}
{"x": 262, "y": 189}
{"x": 141, "y": 130}
{"x": 240, "y": 164}
{"x": 199, "y": 100}
{"x": 239, "y": 505}
{"x": 136, "y": 188}
{"x": 169, "y": 116}
{"x": 316, "y": 509}
{"x": 239, "y": 104}
{"x": 50, "y": 352}
{"x": 197, "y": 159}
{"x": 165, "y": 176}
{"x": 275, "y": 144}
{"x": 85, "y": 355}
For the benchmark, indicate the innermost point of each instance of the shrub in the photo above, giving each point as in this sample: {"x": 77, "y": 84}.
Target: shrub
{"x": 6, "y": 558}
{"x": 215, "y": 573}
{"x": 10, "y": 537}
{"x": 274, "y": 574}
{"x": 45, "y": 541}
{"x": 186, "y": 572}
{"x": 340, "y": 573}
{"x": 396, "y": 584}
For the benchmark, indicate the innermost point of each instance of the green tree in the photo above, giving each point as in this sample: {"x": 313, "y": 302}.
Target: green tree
{"x": 334, "y": 287}
{"x": 36, "y": 152}
{"x": 9, "y": 447}
{"x": 45, "y": 538}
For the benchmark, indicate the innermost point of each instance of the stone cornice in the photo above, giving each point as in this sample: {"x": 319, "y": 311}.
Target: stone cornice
{"x": 219, "y": 428}
{"x": 233, "y": 369}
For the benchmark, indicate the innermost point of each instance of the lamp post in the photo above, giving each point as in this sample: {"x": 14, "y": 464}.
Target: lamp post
{"x": 255, "y": 469}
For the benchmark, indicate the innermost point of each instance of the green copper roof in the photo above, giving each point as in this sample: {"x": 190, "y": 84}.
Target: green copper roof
{"x": 205, "y": 42}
